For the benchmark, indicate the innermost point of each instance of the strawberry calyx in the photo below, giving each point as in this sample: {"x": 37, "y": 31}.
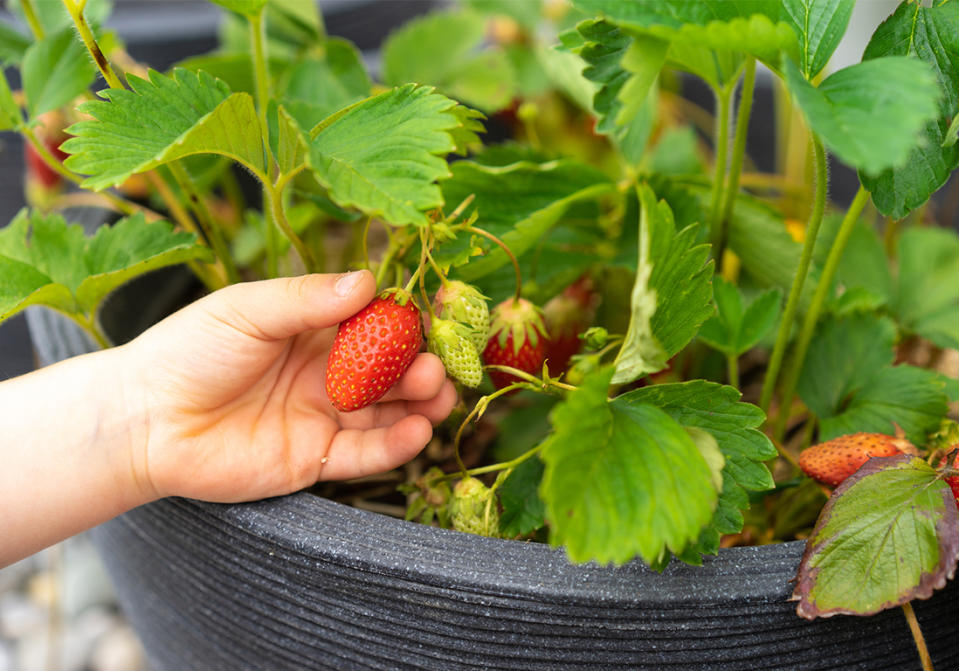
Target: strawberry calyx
{"x": 519, "y": 320}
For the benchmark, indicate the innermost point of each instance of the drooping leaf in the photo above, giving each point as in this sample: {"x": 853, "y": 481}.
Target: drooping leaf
{"x": 927, "y": 289}
{"x": 318, "y": 86}
{"x": 870, "y": 114}
{"x": 671, "y": 294}
{"x": 523, "y": 510}
{"x": 519, "y": 203}
{"x": 55, "y": 71}
{"x": 46, "y": 261}
{"x": 888, "y": 534}
{"x": 444, "y": 49}
{"x": 819, "y": 25}
{"x": 930, "y": 34}
{"x": 13, "y": 44}
{"x": 735, "y": 426}
{"x": 10, "y": 116}
{"x": 163, "y": 119}
{"x": 735, "y": 329}
{"x": 844, "y": 355}
{"x": 383, "y": 155}
{"x": 622, "y": 479}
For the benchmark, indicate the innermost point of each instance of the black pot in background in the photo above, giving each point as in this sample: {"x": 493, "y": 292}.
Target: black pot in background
{"x": 300, "y": 582}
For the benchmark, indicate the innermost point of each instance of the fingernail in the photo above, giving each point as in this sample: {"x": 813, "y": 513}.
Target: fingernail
{"x": 347, "y": 283}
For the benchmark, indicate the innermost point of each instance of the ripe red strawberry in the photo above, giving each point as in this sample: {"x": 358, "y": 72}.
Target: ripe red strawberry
{"x": 566, "y": 315}
{"x": 952, "y": 480}
{"x": 372, "y": 350}
{"x": 517, "y": 339}
{"x": 835, "y": 460}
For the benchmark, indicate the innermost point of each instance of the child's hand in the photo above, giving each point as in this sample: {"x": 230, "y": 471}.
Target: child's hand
{"x": 233, "y": 389}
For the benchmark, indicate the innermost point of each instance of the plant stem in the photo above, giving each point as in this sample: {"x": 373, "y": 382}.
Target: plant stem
{"x": 275, "y": 199}
{"x": 816, "y": 305}
{"x": 83, "y": 28}
{"x": 736, "y": 161}
{"x": 31, "y": 16}
{"x": 723, "y": 104}
{"x": 478, "y": 409}
{"x": 917, "y": 636}
{"x": 90, "y": 325}
{"x": 732, "y": 370}
{"x": 799, "y": 279}
{"x": 210, "y": 228}
{"x": 505, "y": 465}
{"x": 509, "y": 253}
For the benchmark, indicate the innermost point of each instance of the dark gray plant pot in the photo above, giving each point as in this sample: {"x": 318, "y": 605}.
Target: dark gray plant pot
{"x": 301, "y": 582}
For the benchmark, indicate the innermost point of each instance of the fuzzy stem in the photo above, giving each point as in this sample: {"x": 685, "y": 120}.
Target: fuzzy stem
{"x": 30, "y": 14}
{"x": 805, "y": 259}
{"x": 509, "y": 253}
{"x": 482, "y": 404}
{"x": 210, "y": 228}
{"x": 736, "y": 161}
{"x": 75, "y": 10}
{"x": 816, "y": 305}
{"x": 279, "y": 218}
{"x": 917, "y": 636}
{"x": 723, "y": 104}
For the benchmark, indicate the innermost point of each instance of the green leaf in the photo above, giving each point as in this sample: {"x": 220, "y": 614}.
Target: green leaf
{"x": 13, "y": 44}
{"x": 55, "y": 71}
{"x": 443, "y": 49}
{"x": 245, "y": 7}
{"x": 671, "y": 294}
{"x": 527, "y": 13}
{"x": 870, "y": 114}
{"x": 843, "y": 357}
{"x": 820, "y": 25}
{"x": 735, "y": 426}
{"x": 708, "y": 36}
{"x": 622, "y": 479}
{"x": 734, "y": 330}
{"x": 160, "y": 120}
{"x": 519, "y": 203}
{"x": 927, "y": 294}
{"x": 318, "y": 86}
{"x": 523, "y": 510}
{"x": 886, "y": 536}
{"x": 382, "y": 155}
{"x": 53, "y": 16}
{"x": 46, "y": 261}
{"x": 291, "y": 147}
{"x": 930, "y": 34}
{"x": 9, "y": 111}
{"x": 676, "y": 153}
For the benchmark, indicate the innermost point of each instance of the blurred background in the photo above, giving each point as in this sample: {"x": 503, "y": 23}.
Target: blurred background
{"x": 57, "y": 611}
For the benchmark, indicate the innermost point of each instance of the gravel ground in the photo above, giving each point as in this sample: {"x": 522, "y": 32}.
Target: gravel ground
{"x": 58, "y": 613}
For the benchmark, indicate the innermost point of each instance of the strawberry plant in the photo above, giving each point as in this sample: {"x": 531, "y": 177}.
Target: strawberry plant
{"x": 648, "y": 332}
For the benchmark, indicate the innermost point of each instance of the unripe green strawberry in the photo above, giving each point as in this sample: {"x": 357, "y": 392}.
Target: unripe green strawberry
{"x": 464, "y": 303}
{"x": 517, "y": 339}
{"x": 471, "y": 510}
{"x": 835, "y": 460}
{"x": 372, "y": 350}
{"x": 450, "y": 341}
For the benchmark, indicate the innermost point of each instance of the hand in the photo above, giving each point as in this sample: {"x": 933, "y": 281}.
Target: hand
{"x": 233, "y": 389}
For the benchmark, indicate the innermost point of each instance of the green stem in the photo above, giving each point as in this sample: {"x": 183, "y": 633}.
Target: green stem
{"x": 90, "y": 325}
{"x": 31, "y": 16}
{"x": 480, "y": 407}
{"x": 723, "y": 104}
{"x": 509, "y": 253}
{"x": 75, "y": 10}
{"x": 924, "y": 658}
{"x": 262, "y": 90}
{"x": 816, "y": 305}
{"x": 210, "y": 228}
{"x": 736, "y": 161}
{"x": 732, "y": 370}
{"x": 799, "y": 279}
{"x": 278, "y": 216}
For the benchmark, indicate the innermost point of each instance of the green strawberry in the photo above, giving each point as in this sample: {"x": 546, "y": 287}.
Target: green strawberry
{"x": 469, "y": 509}
{"x": 464, "y": 303}
{"x": 450, "y": 341}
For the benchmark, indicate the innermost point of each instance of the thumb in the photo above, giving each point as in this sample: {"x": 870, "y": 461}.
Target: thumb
{"x": 281, "y": 308}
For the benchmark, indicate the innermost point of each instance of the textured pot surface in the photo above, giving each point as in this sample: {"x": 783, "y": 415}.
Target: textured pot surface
{"x": 304, "y": 583}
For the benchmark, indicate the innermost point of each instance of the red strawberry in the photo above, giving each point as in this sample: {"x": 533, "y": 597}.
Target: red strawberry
{"x": 372, "y": 350}
{"x": 952, "y": 480}
{"x": 517, "y": 339}
{"x": 566, "y": 315}
{"x": 835, "y": 460}
{"x": 51, "y": 134}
